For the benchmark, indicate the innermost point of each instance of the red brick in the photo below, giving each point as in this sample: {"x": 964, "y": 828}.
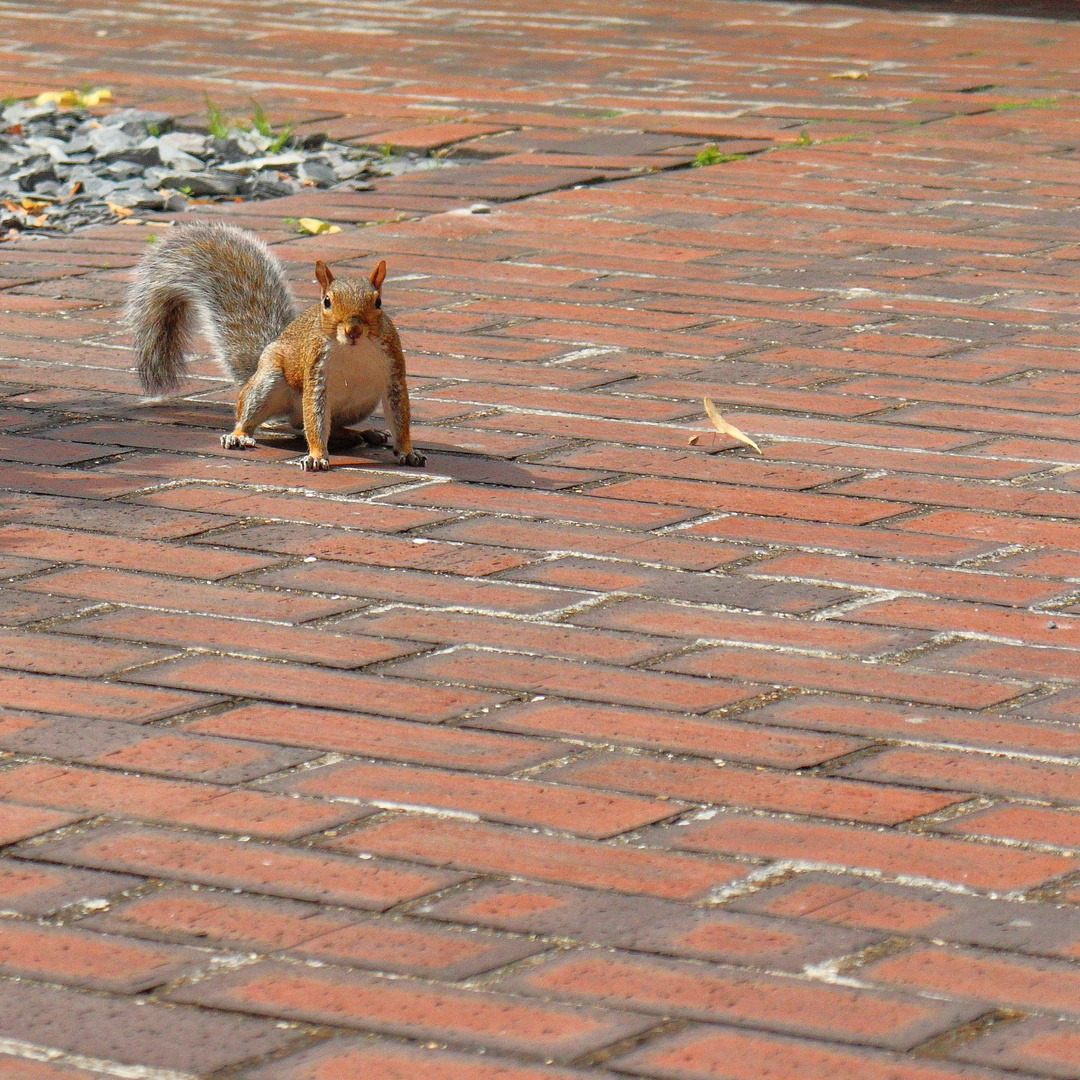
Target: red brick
{"x": 116, "y": 587}
{"x": 986, "y": 976}
{"x": 417, "y": 587}
{"x": 593, "y": 682}
{"x": 470, "y": 560}
{"x": 301, "y": 874}
{"x": 451, "y": 627}
{"x": 149, "y": 748}
{"x": 18, "y": 608}
{"x": 372, "y": 736}
{"x": 145, "y": 798}
{"x": 691, "y": 464}
{"x": 880, "y": 720}
{"x": 706, "y": 1053}
{"x": 406, "y": 947}
{"x": 1042, "y": 1047}
{"x": 709, "y": 783}
{"x": 729, "y": 590}
{"x": 667, "y": 550}
{"x": 730, "y": 498}
{"x": 153, "y": 555}
{"x": 182, "y": 915}
{"x": 647, "y": 924}
{"x": 848, "y": 903}
{"x": 1034, "y": 824}
{"x": 547, "y": 506}
{"x": 496, "y": 850}
{"x": 137, "y": 1032}
{"x": 868, "y": 457}
{"x": 20, "y": 822}
{"x": 841, "y": 538}
{"x": 341, "y": 1060}
{"x": 965, "y": 494}
{"x": 77, "y": 958}
{"x": 978, "y": 866}
{"x": 53, "y": 655}
{"x": 879, "y": 574}
{"x": 31, "y": 889}
{"x": 237, "y": 502}
{"x": 955, "y": 771}
{"x": 1025, "y": 626}
{"x": 695, "y": 623}
{"x": 880, "y": 680}
{"x": 516, "y": 802}
{"x": 309, "y": 685}
{"x": 115, "y": 518}
{"x": 713, "y": 993}
{"x": 1034, "y": 662}
{"x": 414, "y": 1009}
{"x": 74, "y": 482}
{"x": 669, "y": 732}
{"x": 20, "y": 1068}
{"x": 994, "y": 528}
{"x": 924, "y": 912}
{"x": 233, "y": 636}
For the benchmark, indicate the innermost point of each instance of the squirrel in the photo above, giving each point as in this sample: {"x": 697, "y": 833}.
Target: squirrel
{"x": 323, "y": 368}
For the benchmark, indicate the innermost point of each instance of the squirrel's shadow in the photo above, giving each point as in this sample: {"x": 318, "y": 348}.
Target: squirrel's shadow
{"x": 443, "y": 459}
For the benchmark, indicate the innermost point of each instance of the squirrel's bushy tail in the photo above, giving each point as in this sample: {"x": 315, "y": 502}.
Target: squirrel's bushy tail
{"x": 212, "y": 278}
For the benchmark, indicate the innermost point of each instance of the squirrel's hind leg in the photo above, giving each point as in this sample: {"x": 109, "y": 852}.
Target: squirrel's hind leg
{"x": 265, "y": 395}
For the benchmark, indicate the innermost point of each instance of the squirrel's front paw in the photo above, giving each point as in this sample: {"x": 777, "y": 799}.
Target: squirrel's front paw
{"x": 413, "y": 457}
{"x": 314, "y": 464}
{"x": 237, "y": 442}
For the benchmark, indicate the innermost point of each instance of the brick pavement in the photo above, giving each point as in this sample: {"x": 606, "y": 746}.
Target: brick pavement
{"x": 588, "y": 750}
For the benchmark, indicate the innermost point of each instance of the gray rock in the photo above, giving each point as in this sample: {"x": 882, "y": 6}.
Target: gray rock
{"x": 203, "y": 183}
{"x": 109, "y": 140}
{"x": 318, "y": 171}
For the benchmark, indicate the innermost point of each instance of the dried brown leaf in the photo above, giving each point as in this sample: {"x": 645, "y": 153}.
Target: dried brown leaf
{"x": 725, "y": 428}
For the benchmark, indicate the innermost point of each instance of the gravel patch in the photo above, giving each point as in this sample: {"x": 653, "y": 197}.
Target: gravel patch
{"x": 63, "y": 167}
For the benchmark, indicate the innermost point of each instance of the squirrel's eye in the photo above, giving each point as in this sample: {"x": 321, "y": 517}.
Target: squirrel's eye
{"x": 326, "y": 302}
{"x": 378, "y": 301}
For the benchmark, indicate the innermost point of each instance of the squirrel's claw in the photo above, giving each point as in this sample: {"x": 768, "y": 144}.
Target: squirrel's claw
{"x": 314, "y": 464}
{"x": 413, "y": 457}
{"x": 237, "y": 442}
{"x": 375, "y": 437}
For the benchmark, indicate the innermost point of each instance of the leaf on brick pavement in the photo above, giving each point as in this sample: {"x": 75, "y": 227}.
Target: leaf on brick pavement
{"x": 851, "y": 74}
{"x": 725, "y": 428}
{"x": 316, "y": 227}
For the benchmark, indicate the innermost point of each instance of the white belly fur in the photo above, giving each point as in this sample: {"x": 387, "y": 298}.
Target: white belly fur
{"x": 356, "y": 379}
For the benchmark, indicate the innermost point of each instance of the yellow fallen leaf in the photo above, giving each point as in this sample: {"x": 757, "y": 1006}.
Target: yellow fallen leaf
{"x": 95, "y": 97}
{"x": 693, "y": 440}
{"x": 131, "y": 221}
{"x": 33, "y": 205}
{"x": 853, "y": 73}
{"x": 315, "y": 227}
{"x": 725, "y": 428}
{"x": 61, "y": 97}
{"x": 118, "y": 210}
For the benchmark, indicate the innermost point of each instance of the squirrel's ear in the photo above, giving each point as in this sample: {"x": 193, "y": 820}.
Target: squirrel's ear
{"x": 322, "y": 272}
{"x": 378, "y": 275}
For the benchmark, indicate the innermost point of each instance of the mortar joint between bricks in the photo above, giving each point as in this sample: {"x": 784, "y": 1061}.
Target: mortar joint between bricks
{"x": 961, "y": 808}
{"x": 599, "y": 1057}
{"x": 946, "y": 1044}
{"x": 853, "y": 961}
{"x": 1052, "y": 892}
{"x": 842, "y": 761}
